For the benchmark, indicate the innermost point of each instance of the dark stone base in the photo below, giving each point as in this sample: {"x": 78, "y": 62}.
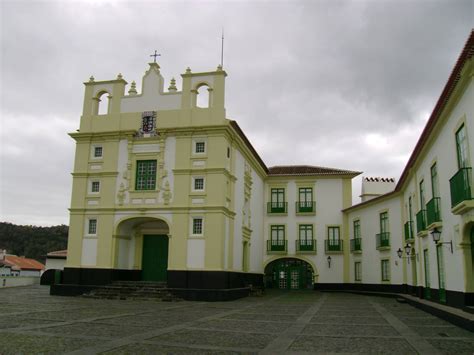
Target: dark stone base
{"x": 360, "y": 287}
{"x": 89, "y": 276}
{"x": 189, "y": 285}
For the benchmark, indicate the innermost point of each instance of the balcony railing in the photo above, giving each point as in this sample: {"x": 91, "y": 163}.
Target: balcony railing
{"x": 305, "y": 206}
{"x": 277, "y": 207}
{"x": 333, "y": 245}
{"x": 305, "y": 245}
{"x": 276, "y": 245}
{"x": 383, "y": 240}
{"x": 460, "y": 185}
{"x": 433, "y": 211}
{"x": 421, "y": 221}
{"x": 409, "y": 230}
{"x": 356, "y": 244}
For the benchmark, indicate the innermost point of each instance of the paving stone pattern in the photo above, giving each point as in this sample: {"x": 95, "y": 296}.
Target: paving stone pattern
{"x": 279, "y": 322}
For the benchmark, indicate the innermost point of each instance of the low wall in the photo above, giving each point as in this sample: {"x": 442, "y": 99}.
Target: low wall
{"x": 15, "y": 281}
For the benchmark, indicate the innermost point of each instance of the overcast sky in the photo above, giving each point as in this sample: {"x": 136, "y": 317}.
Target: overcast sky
{"x": 332, "y": 83}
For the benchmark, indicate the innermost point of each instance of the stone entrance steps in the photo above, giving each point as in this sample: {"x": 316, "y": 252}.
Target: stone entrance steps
{"x": 134, "y": 290}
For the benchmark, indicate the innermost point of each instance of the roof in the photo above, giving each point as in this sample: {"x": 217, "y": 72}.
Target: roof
{"x": 466, "y": 55}
{"x": 22, "y": 263}
{"x": 58, "y": 254}
{"x": 308, "y": 170}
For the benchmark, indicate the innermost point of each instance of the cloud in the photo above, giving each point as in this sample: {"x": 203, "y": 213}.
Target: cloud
{"x": 346, "y": 84}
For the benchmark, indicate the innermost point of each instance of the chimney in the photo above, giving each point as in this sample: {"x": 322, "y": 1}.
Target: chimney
{"x": 3, "y": 252}
{"x": 376, "y": 186}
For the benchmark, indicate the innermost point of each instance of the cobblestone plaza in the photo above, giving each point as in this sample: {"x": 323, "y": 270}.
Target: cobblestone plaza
{"x": 279, "y": 322}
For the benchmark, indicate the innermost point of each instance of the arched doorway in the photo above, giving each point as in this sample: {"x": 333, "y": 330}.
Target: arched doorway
{"x": 142, "y": 243}
{"x": 289, "y": 274}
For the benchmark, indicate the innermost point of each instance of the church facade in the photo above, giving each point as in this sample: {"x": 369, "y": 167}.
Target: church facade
{"x": 168, "y": 191}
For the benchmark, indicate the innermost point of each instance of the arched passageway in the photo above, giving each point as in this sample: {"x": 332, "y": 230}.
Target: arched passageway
{"x": 289, "y": 273}
{"x": 142, "y": 243}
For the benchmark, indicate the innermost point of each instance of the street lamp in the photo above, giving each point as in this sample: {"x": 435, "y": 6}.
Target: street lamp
{"x": 408, "y": 250}
{"x": 436, "y": 234}
{"x": 329, "y": 261}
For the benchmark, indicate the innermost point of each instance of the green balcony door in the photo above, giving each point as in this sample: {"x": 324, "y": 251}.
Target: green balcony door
{"x": 155, "y": 257}
{"x": 427, "y": 289}
{"x": 441, "y": 275}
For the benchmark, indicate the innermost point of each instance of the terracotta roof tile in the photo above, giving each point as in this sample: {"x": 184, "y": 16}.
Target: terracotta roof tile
{"x": 307, "y": 170}
{"x": 23, "y": 263}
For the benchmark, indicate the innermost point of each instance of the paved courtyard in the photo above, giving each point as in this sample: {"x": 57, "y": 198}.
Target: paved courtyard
{"x": 298, "y": 322}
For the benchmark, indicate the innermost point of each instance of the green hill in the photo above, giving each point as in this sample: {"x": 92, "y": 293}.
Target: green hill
{"x": 31, "y": 241}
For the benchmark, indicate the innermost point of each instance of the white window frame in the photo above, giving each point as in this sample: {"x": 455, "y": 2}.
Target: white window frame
{"x": 94, "y": 146}
{"x": 91, "y": 187}
{"x": 193, "y": 187}
{"x": 195, "y": 141}
{"x": 193, "y": 218}
{"x": 88, "y": 225}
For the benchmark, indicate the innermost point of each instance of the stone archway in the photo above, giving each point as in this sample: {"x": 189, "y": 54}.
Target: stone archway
{"x": 141, "y": 243}
{"x": 290, "y": 274}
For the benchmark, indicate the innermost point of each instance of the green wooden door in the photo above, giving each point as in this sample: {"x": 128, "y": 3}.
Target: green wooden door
{"x": 427, "y": 289}
{"x": 441, "y": 276}
{"x": 155, "y": 257}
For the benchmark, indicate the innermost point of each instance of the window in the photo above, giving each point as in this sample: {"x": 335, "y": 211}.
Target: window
{"x": 356, "y": 226}
{"x": 461, "y": 147}
{"x": 277, "y": 204}
{"x": 385, "y": 265}
{"x": 410, "y": 209}
{"x": 199, "y": 184}
{"x": 146, "y": 175}
{"x": 92, "y": 226}
{"x": 278, "y": 196}
{"x": 306, "y": 233}
{"x": 357, "y": 271}
{"x": 333, "y": 235}
{"x": 98, "y": 152}
{"x": 305, "y": 203}
{"x": 434, "y": 181}
{"x": 197, "y": 226}
{"x": 384, "y": 222}
{"x": 306, "y": 195}
{"x": 95, "y": 186}
{"x": 228, "y": 152}
{"x": 422, "y": 194}
{"x": 200, "y": 147}
{"x": 277, "y": 233}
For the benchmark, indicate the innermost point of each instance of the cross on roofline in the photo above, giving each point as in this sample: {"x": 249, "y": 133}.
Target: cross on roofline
{"x": 154, "y": 56}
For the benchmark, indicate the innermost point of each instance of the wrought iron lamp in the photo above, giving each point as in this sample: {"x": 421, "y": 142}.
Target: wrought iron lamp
{"x": 436, "y": 234}
{"x": 329, "y": 261}
{"x": 408, "y": 250}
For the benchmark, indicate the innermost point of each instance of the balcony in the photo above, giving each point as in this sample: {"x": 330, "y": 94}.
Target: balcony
{"x": 409, "y": 231}
{"x": 433, "y": 212}
{"x": 421, "y": 222}
{"x": 277, "y": 207}
{"x": 305, "y": 207}
{"x": 383, "y": 240}
{"x": 356, "y": 244}
{"x": 461, "y": 193}
{"x": 276, "y": 246}
{"x": 306, "y": 246}
{"x": 333, "y": 245}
